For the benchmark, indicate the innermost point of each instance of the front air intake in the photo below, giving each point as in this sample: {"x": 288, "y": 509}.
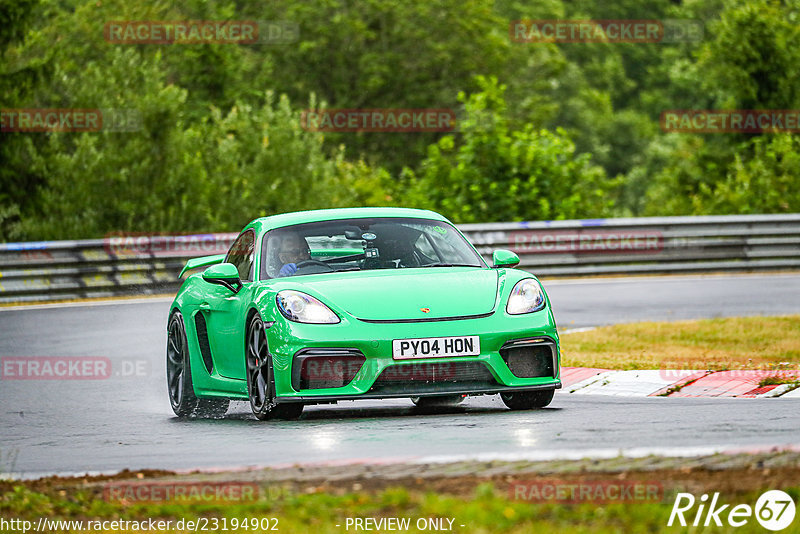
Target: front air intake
{"x": 531, "y": 358}
{"x": 325, "y": 368}
{"x": 434, "y": 377}
{"x": 202, "y": 340}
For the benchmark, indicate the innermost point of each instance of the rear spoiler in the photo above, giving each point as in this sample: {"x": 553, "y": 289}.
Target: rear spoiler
{"x": 202, "y": 262}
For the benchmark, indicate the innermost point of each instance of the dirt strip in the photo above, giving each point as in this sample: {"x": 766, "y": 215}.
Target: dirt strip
{"x": 728, "y": 473}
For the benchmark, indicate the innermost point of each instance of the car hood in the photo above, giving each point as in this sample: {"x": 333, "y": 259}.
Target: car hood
{"x": 405, "y": 294}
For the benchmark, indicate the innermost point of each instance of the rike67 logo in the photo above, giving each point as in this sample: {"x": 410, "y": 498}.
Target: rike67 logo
{"x": 774, "y": 510}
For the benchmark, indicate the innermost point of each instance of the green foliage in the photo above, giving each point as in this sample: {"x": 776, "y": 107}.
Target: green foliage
{"x": 192, "y": 166}
{"x": 751, "y": 61}
{"x": 379, "y": 54}
{"x": 767, "y": 182}
{"x": 484, "y": 509}
{"x": 15, "y": 18}
{"x": 98, "y": 182}
{"x": 18, "y": 77}
{"x": 172, "y": 177}
{"x": 260, "y": 162}
{"x": 495, "y": 173}
{"x": 546, "y": 131}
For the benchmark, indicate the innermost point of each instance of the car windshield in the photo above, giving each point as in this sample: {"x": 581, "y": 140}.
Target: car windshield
{"x": 364, "y": 244}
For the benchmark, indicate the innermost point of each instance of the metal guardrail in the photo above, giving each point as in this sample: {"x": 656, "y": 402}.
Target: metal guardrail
{"x": 119, "y": 265}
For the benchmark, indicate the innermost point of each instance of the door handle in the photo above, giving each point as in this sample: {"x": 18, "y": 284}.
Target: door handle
{"x": 205, "y": 306}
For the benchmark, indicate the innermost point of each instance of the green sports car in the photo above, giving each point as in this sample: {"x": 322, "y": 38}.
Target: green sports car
{"x": 361, "y": 303}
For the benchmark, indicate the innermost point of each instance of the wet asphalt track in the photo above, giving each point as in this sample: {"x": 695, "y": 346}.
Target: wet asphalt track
{"x": 126, "y": 422}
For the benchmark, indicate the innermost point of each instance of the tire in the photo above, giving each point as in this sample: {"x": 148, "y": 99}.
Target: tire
{"x": 437, "y": 402}
{"x": 180, "y": 389}
{"x": 527, "y": 400}
{"x": 261, "y": 377}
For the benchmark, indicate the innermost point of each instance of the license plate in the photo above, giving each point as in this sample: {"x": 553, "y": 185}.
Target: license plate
{"x": 435, "y": 347}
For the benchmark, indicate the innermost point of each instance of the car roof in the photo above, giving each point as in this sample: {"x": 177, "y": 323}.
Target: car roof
{"x": 299, "y": 217}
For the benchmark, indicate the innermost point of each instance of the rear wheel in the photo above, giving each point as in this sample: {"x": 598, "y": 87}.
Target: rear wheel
{"x": 527, "y": 400}
{"x": 436, "y": 402}
{"x": 261, "y": 377}
{"x": 182, "y": 398}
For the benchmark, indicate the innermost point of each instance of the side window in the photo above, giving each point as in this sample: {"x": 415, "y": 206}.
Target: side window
{"x": 242, "y": 254}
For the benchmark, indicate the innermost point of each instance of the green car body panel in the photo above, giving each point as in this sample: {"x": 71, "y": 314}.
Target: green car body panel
{"x": 375, "y": 307}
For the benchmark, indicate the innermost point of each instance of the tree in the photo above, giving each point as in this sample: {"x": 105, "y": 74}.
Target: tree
{"x": 378, "y": 54}
{"x": 751, "y": 61}
{"x": 495, "y": 173}
{"x": 18, "y": 77}
{"x": 767, "y": 182}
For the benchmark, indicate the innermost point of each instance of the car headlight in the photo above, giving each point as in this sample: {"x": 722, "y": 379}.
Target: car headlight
{"x": 303, "y": 308}
{"x": 526, "y": 297}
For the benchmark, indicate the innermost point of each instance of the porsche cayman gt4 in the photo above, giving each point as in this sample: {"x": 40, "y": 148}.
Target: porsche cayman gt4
{"x": 361, "y": 303}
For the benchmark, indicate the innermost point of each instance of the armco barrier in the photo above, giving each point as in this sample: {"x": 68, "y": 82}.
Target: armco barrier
{"x": 143, "y": 265}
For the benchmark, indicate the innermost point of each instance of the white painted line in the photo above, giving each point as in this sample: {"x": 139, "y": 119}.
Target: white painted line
{"x": 35, "y": 475}
{"x": 588, "y": 381}
{"x": 592, "y": 280}
{"x": 578, "y": 330}
{"x": 88, "y": 303}
{"x": 793, "y": 394}
{"x": 531, "y": 456}
{"x": 639, "y": 383}
{"x": 578, "y": 454}
{"x": 776, "y": 392}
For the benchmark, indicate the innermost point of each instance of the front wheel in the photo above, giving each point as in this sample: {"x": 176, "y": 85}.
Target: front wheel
{"x": 261, "y": 377}
{"x": 182, "y": 398}
{"x": 527, "y": 400}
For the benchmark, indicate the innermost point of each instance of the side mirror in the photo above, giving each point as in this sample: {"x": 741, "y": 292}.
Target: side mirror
{"x": 504, "y": 258}
{"x": 224, "y": 274}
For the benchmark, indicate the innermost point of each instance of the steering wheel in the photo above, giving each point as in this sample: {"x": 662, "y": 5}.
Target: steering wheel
{"x": 306, "y": 263}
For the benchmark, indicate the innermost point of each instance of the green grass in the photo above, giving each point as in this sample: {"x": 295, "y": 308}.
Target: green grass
{"x": 716, "y": 344}
{"x": 777, "y": 381}
{"x": 486, "y": 511}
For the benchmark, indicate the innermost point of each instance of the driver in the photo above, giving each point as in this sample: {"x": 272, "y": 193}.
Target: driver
{"x": 293, "y": 250}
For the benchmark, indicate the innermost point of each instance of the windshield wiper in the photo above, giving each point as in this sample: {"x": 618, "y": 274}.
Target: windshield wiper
{"x": 442, "y": 264}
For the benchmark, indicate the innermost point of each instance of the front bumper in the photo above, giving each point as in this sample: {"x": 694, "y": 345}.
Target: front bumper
{"x": 311, "y": 399}
{"x": 487, "y": 373}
